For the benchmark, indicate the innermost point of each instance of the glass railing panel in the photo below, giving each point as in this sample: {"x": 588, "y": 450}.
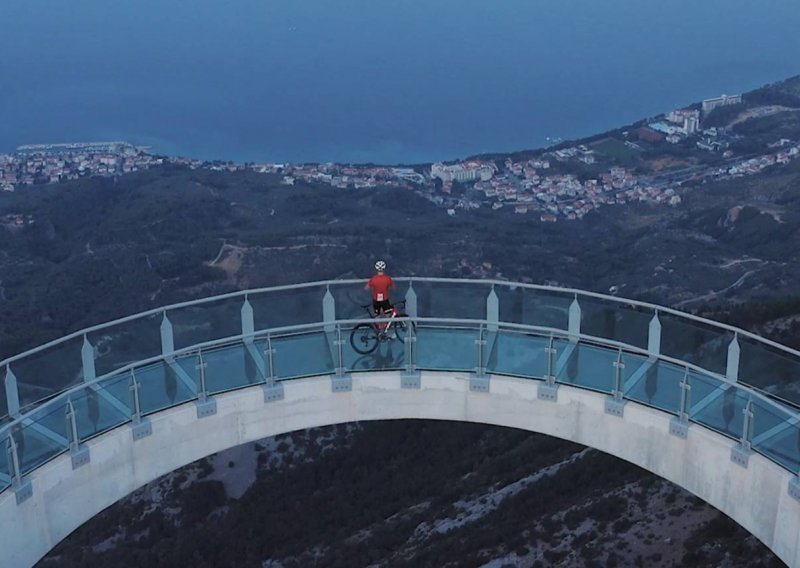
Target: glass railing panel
{"x": 451, "y": 300}
{"x": 98, "y": 410}
{"x": 717, "y": 405}
{"x": 446, "y": 348}
{"x": 694, "y": 342}
{"x": 126, "y": 343}
{"x": 304, "y": 354}
{"x": 5, "y": 470}
{"x": 42, "y": 438}
{"x": 586, "y": 366}
{"x": 657, "y": 384}
{"x": 632, "y": 366}
{"x": 287, "y": 307}
{"x": 48, "y": 372}
{"x": 625, "y": 323}
{"x": 769, "y": 369}
{"x": 3, "y": 399}
{"x": 206, "y": 322}
{"x": 530, "y": 306}
{"x": 349, "y": 299}
{"x": 776, "y": 434}
{"x": 232, "y": 367}
{"x": 167, "y": 384}
{"x": 517, "y": 353}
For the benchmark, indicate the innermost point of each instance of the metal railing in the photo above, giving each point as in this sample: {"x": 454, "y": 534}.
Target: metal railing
{"x": 62, "y": 393}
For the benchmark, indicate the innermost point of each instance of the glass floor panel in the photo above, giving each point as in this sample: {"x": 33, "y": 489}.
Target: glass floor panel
{"x": 230, "y": 368}
{"x": 586, "y": 366}
{"x": 303, "y": 355}
{"x": 451, "y": 349}
{"x": 656, "y": 384}
{"x": 517, "y": 354}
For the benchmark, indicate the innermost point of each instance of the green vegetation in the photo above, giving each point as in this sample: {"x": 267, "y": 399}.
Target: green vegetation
{"x": 617, "y": 151}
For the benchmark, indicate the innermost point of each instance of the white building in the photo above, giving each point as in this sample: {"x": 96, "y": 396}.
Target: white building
{"x": 469, "y": 171}
{"x": 724, "y": 100}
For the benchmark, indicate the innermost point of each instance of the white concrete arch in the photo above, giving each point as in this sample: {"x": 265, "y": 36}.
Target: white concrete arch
{"x": 756, "y": 497}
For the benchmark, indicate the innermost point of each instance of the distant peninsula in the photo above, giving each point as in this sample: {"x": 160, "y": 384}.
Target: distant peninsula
{"x": 652, "y": 160}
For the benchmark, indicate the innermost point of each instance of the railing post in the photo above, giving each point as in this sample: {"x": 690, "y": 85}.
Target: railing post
{"x": 548, "y": 390}
{"x": 87, "y": 357}
{"x": 492, "y": 310}
{"x": 740, "y": 454}
{"x": 141, "y": 427}
{"x": 479, "y": 380}
{"x": 615, "y": 404}
{"x": 679, "y": 425}
{"x": 22, "y": 488}
{"x": 654, "y": 336}
{"x": 79, "y": 453}
{"x": 328, "y": 310}
{"x": 12, "y": 393}
{"x": 732, "y": 367}
{"x": 273, "y": 390}
{"x": 167, "y": 338}
{"x": 410, "y": 378}
{"x": 574, "y": 320}
{"x": 206, "y": 405}
{"x": 341, "y": 381}
{"x": 248, "y": 324}
{"x": 411, "y": 301}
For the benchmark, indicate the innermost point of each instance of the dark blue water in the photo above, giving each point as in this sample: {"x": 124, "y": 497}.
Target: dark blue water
{"x": 372, "y": 80}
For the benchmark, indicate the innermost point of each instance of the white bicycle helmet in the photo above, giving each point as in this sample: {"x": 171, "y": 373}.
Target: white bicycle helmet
{"x": 380, "y": 266}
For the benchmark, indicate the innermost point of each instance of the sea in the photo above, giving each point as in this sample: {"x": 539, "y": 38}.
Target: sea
{"x": 400, "y": 81}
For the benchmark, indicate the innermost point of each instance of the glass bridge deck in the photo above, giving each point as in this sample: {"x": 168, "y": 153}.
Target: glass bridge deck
{"x": 59, "y": 395}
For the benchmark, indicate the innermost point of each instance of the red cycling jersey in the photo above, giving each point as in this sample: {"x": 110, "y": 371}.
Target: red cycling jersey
{"x": 380, "y": 284}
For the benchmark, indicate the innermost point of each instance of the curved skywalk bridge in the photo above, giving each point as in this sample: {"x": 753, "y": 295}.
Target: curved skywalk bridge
{"x": 124, "y": 402}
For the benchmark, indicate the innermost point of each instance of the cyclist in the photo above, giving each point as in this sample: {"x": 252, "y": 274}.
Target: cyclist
{"x": 380, "y": 284}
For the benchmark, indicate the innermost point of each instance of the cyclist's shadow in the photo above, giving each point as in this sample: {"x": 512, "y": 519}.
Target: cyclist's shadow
{"x": 388, "y": 355}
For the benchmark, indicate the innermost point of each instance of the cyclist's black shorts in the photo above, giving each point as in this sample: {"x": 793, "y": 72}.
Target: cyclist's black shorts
{"x": 379, "y": 306}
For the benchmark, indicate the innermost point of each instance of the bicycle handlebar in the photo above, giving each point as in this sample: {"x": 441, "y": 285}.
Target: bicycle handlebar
{"x": 400, "y": 303}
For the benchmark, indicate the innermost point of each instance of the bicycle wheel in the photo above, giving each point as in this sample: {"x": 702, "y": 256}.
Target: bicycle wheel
{"x": 364, "y": 338}
{"x": 400, "y": 327}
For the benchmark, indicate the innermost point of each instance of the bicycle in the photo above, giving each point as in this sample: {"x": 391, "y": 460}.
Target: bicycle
{"x": 365, "y": 337}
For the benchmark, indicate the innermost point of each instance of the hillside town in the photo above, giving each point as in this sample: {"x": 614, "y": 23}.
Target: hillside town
{"x": 565, "y": 182}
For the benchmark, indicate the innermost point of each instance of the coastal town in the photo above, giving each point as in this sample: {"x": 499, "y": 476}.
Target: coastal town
{"x": 562, "y": 182}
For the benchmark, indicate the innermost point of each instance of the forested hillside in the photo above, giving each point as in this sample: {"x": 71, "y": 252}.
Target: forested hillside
{"x": 393, "y": 494}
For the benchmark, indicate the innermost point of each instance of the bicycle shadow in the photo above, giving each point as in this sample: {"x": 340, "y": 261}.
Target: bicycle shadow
{"x": 388, "y": 355}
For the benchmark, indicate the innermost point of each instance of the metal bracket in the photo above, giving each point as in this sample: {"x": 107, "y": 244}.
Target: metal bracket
{"x": 479, "y": 382}
{"x": 206, "y": 405}
{"x": 741, "y": 452}
{"x": 80, "y": 457}
{"x": 547, "y": 392}
{"x": 794, "y": 488}
{"x": 273, "y": 391}
{"x": 77, "y": 451}
{"x": 410, "y": 380}
{"x": 140, "y": 426}
{"x": 740, "y": 455}
{"x": 615, "y": 406}
{"x": 23, "y": 490}
{"x": 141, "y": 429}
{"x": 679, "y": 427}
{"x": 342, "y": 383}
